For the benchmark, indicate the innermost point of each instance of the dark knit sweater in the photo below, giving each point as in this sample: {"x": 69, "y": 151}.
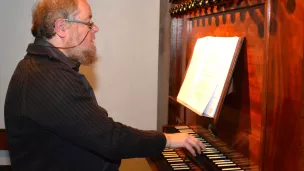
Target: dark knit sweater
{"x": 54, "y": 123}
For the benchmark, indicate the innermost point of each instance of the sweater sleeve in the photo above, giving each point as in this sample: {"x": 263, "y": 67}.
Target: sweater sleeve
{"x": 66, "y": 108}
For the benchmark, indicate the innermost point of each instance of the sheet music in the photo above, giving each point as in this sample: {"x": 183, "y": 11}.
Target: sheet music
{"x": 224, "y": 49}
{"x": 207, "y": 73}
{"x": 205, "y": 81}
{"x": 200, "y": 81}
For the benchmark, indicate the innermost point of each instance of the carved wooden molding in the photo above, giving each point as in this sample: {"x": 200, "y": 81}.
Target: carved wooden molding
{"x": 206, "y": 7}
{"x": 187, "y": 7}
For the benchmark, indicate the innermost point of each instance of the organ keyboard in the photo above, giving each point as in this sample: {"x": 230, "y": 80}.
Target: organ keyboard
{"x": 217, "y": 156}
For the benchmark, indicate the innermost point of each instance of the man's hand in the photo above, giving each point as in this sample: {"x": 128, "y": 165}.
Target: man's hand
{"x": 185, "y": 140}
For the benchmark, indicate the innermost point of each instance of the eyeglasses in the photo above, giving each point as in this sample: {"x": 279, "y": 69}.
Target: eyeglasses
{"x": 89, "y": 24}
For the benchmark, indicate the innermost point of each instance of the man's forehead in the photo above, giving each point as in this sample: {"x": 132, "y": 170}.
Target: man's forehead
{"x": 84, "y": 10}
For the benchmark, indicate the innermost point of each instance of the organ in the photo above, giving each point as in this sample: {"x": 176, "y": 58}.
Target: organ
{"x": 260, "y": 126}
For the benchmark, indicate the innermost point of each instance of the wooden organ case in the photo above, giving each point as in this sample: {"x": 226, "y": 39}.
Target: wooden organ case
{"x": 263, "y": 119}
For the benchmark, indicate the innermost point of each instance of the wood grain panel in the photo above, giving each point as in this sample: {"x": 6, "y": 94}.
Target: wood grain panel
{"x": 301, "y": 158}
{"x": 283, "y": 130}
{"x": 178, "y": 56}
{"x": 174, "y": 27}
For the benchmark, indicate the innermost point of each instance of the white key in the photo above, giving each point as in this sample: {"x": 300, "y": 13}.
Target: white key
{"x": 178, "y": 164}
{"x": 232, "y": 168}
{"x": 226, "y": 165}
{"x": 210, "y": 152}
{"x": 226, "y": 160}
{"x": 217, "y": 163}
{"x": 220, "y": 157}
{"x": 186, "y": 168}
{"x": 175, "y": 161}
{"x": 181, "y": 127}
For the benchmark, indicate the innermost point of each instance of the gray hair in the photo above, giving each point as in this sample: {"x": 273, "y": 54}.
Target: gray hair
{"x": 46, "y": 12}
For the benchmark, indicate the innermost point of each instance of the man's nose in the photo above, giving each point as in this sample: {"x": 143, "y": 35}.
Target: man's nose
{"x": 95, "y": 28}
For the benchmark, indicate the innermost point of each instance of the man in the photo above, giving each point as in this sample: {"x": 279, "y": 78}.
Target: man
{"x": 52, "y": 118}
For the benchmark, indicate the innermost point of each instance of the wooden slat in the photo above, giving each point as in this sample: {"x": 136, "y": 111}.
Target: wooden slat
{"x": 3, "y": 140}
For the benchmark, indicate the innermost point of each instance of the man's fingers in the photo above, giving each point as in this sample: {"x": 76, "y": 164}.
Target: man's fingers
{"x": 195, "y": 143}
{"x": 189, "y": 147}
{"x": 200, "y": 144}
{"x": 203, "y": 147}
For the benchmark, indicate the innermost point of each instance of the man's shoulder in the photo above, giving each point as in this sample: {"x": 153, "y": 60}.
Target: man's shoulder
{"x": 44, "y": 64}
{"x": 38, "y": 70}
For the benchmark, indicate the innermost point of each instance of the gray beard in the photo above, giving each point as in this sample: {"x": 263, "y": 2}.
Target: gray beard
{"x": 84, "y": 57}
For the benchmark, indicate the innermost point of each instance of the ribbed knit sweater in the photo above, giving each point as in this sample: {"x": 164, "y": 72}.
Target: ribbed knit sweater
{"x": 54, "y": 123}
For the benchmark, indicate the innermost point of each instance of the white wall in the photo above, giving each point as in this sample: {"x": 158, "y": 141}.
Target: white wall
{"x": 125, "y": 77}
{"x": 15, "y": 17}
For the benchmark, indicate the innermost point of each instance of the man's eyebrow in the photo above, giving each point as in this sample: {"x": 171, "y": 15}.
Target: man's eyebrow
{"x": 90, "y": 16}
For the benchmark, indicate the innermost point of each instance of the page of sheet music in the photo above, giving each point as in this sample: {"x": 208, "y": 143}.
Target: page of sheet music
{"x": 224, "y": 49}
{"x": 205, "y": 81}
{"x": 206, "y": 75}
{"x": 200, "y": 81}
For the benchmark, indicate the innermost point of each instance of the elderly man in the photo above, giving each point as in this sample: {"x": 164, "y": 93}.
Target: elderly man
{"x": 52, "y": 118}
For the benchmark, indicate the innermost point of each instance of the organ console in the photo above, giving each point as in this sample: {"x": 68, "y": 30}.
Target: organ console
{"x": 261, "y": 123}
{"x": 217, "y": 156}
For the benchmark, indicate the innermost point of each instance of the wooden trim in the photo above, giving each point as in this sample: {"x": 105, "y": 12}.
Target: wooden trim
{"x": 163, "y": 64}
{"x": 152, "y": 165}
{"x": 3, "y": 140}
{"x": 5, "y": 168}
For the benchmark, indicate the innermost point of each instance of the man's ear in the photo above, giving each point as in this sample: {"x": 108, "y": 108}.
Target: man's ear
{"x": 60, "y": 28}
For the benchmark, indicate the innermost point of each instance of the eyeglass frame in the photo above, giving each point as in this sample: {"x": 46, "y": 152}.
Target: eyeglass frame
{"x": 89, "y": 23}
